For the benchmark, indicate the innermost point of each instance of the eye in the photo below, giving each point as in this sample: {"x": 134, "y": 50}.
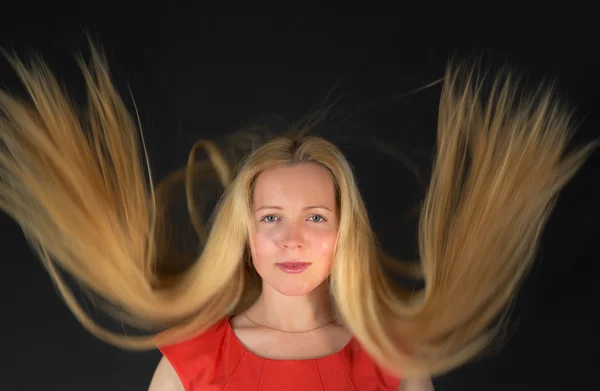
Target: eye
{"x": 317, "y": 218}
{"x": 269, "y": 219}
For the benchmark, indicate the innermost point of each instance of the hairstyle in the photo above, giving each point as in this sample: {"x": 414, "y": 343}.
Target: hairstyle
{"x": 80, "y": 187}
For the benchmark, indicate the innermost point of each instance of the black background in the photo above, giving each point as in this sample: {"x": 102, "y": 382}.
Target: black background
{"x": 196, "y": 76}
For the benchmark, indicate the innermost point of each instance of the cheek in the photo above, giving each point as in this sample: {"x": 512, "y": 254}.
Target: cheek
{"x": 261, "y": 246}
{"x": 324, "y": 244}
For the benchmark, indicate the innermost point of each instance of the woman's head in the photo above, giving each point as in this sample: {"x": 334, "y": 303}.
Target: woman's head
{"x": 303, "y": 206}
{"x": 294, "y": 217}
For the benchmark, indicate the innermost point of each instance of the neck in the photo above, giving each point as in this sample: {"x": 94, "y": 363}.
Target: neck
{"x": 292, "y": 313}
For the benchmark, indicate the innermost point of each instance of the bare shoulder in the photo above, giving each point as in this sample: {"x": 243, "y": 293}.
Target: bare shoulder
{"x": 423, "y": 384}
{"x": 165, "y": 378}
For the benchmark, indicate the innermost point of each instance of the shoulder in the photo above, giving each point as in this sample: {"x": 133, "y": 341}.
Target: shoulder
{"x": 193, "y": 360}
{"x": 423, "y": 384}
{"x": 165, "y": 378}
{"x": 362, "y": 368}
{"x": 204, "y": 343}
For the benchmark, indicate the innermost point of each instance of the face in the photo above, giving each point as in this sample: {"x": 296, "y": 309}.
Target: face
{"x": 296, "y": 224}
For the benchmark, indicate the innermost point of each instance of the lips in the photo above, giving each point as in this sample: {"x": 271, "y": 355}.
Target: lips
{"x": 293, "y": 267}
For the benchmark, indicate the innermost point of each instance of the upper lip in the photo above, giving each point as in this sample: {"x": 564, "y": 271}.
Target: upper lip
{"x": 294, "y": 262}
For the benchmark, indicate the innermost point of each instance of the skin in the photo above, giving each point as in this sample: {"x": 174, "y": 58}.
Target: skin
{"x": 295, "y": 218}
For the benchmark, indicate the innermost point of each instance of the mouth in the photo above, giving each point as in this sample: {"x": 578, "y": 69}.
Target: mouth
{"x": 293, "y": 267}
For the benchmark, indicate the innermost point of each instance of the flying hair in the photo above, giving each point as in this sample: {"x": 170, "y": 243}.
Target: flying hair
{"x": 79, "y": 184}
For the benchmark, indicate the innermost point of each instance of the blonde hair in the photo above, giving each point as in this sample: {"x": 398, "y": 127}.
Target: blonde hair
{"x": 83, "y": 194}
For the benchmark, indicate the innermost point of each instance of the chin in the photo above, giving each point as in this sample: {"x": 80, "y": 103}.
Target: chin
{"x": 290, "y": 291}
{"x": 291, "y": 285}
{"x": 295, "y": 288}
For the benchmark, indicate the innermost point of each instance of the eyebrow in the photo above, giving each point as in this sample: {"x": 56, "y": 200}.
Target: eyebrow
{"x": 305, "y": 208}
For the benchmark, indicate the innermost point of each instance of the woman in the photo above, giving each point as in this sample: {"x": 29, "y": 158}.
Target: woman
{"x": 288, "y": 291}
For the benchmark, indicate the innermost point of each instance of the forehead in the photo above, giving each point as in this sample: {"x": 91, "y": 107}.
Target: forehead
{"x": 299, "y": 183}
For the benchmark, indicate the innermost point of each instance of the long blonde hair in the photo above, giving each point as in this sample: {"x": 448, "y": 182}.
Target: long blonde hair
{"x": 82, "y": 192}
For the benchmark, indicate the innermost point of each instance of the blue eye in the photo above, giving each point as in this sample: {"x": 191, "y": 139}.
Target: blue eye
{"x": 269, "y": 219}
{"x": 317, "y": 218}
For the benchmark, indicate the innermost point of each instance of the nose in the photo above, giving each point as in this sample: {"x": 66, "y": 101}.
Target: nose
{"x": 292, "y": 237}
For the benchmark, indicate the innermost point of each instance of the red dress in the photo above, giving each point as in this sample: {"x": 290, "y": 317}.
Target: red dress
{"x": 216, "y": 360}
